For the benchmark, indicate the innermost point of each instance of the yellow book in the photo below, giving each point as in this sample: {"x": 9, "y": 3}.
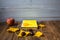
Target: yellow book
{"x": 29, "y": 23}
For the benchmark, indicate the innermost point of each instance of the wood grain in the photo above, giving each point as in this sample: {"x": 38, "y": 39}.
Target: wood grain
{"x": 51, "y": 32}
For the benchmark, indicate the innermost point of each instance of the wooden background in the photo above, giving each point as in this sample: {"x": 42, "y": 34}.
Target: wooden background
{"x": 51, "y": 32}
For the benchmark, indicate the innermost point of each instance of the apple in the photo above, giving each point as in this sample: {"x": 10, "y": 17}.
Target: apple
{"x": 10, "y": 21}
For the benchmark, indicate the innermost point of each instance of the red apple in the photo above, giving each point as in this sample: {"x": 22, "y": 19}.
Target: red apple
{"x": 10, "y": 21}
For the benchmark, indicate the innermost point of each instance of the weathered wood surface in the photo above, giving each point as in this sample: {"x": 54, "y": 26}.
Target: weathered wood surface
{"x": 51, "y": 32}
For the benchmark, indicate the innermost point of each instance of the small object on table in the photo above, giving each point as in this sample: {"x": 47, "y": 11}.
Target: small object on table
{"x": 10, "y": 21}
{"x": 27, "y": 33}
{"x": 23, "y": 33}
{"x": 41, "y": 25}
{"x": 20, "y": 33}
{"x": 29, "y": 24}
{"x": 12, "y": 29}
{"x": 31, "y": 32}
{"x": 38, "y": 34}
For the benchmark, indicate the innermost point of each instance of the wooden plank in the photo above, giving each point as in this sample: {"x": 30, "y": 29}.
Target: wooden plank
{"x": 5, "y": 36}
{"x": 15, "y": 37}
{"x": 45, "y": 32}
{"x": 1, "y": 28}
{"x": 3, "y": 32}
{"x": 57, "y": 25}
{"x": 52, "y": 32}
{"x": 56, "y": 30}
{"x": 10, "y": 37}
